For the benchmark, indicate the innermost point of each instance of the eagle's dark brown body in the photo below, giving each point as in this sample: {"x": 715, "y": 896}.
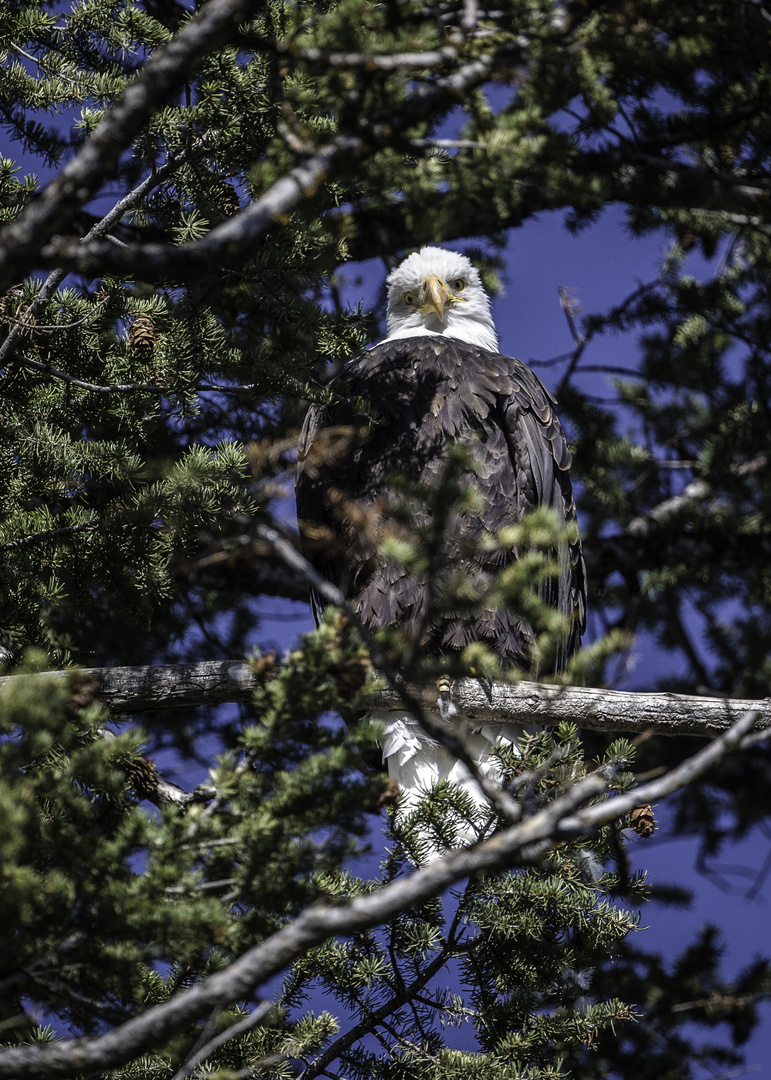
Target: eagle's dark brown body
{"x": 426, "y": 394}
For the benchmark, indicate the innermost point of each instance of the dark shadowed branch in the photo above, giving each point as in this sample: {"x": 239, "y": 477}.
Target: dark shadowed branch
{"x": 227, "y": 244}
{"x": 24, "y": 239}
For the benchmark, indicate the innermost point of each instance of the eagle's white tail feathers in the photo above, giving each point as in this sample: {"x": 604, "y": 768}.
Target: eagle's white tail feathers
{"x": 417, "y": 762}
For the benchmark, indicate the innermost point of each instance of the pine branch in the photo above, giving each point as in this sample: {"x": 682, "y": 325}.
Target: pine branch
{"x": 505, "y": 806}
{"x": 227, "y": 244}
{"x": 216, "y": 24}
{"x": 96, "y": 232}
{"x": 520, "y": 844}
{"x": 207, "y": 1047}
{"x": 371, "y": 1018}
{"x": 47, "y": 534}
{"x": 730, "y": 551}
{"x": 71, "y": 380}
{"x": 658, "y": 537}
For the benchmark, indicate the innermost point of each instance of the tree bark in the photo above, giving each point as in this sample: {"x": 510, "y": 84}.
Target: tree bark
{"x": 214, "y": 682}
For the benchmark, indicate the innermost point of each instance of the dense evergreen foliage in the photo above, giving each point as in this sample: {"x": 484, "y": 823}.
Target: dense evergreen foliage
{"x": 179, "y": 196}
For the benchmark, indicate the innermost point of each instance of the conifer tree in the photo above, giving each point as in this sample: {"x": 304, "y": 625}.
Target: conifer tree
{"x": 181, "y": 187}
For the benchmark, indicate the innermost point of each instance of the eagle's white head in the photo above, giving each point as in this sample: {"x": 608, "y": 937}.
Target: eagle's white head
{"x": 439, "y": 292}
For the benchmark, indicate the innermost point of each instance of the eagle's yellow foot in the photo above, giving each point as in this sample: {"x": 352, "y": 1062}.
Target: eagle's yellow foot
{"x": 446, "y": 707}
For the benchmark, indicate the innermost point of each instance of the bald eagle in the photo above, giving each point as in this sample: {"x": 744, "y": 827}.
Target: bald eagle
{"x": 438, "y": 381}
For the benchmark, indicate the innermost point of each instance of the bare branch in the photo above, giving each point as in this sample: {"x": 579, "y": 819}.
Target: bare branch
{"x": 214, "y": 682}
{"x": 122, "y": 388}
{"x": 47, "y": 534}
{"x": 117, "y": 388}
{"x": 368, "y": 61}
{"x": 208, "y": 1047}
{"x": 373, "y": 1017}
{"x": 571, "y": 307}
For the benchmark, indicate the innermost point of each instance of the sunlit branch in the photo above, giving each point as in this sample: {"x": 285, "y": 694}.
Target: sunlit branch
{"x": 226, "y": 244}
{"x": 214, "y": 682}
{"x": 520, "y": 844}
{"x": 368, "y": 61}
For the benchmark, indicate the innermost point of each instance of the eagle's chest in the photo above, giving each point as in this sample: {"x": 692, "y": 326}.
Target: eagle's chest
{"x": 424, "y": 412}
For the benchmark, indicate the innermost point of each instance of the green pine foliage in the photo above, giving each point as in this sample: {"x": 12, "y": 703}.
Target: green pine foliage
{"x": 522, "y": 948}
{"x": 104, "y": 897}
{"x": 148, "y": 414}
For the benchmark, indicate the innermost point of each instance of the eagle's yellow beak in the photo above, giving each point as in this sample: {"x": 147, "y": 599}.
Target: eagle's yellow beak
{"x": 435, "y": 296}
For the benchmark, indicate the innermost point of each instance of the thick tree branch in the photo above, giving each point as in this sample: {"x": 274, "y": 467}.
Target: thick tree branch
{"x": 629, "y": 553}
{"x": 628, "y": 175}
{"x": 596, "y": 708}
{"x": 228, "y": 243}
{"x": 521, "y": 844}
{"x": 215, "y": 682}
{"x": 660, "y": 537}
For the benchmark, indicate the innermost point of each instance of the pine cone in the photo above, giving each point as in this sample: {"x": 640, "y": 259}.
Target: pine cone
{"x": 230, "y": 201}
{"x": 142, "y": 333}
{"x": 142, "y": 778}
{"x": 265, "y": 666}
{"x": 643, "y": 821}
{"x": 687, "y": 239}
{"x": 389, "y": 795}
{"x": 726, "y": 155}
{"x": 350, "y": 676}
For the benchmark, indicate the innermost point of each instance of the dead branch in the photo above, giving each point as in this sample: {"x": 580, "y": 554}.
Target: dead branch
{"x": 214, "y": 682}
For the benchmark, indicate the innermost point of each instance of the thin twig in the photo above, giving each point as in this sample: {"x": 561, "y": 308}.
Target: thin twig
{"x": 505, "y": 806}
{"x": 48, "y": 534}
{"x": 204, "y": 1049}
{"x": 71, "y": 380}
{"x": 46, "y": 328}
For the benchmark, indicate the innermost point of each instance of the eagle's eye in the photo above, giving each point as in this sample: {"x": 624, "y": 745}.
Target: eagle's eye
{"x": 458, "y": 285}
{"x": 409, "y": 298}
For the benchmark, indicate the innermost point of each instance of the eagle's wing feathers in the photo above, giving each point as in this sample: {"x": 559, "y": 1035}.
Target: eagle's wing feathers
{"x": 541, "y": 459}
{"x": 427, "y": 394}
